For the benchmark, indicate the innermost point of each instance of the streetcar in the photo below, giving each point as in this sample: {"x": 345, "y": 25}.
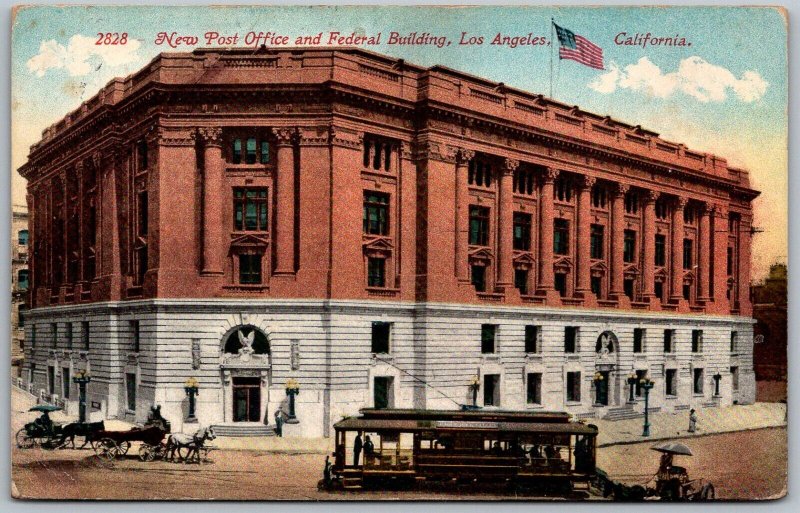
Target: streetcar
{"x": 383, "y": 447}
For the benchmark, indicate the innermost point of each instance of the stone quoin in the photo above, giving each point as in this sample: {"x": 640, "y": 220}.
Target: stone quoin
{"x": 375, "y": 233}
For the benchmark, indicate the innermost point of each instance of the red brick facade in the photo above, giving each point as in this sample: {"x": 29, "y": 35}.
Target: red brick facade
{"x": 345, "y": 174}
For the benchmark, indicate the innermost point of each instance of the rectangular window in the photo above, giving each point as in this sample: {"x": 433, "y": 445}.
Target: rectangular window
{"x": 658, "y": 289}
{"x": 376, "y": 272}
{"x": 687, "y": 291}
{"x": 85, "y": 334}
{"x": 491, "y": 390}
{"x": 68, "y": 334}
{"x": 51, "y": 379}
{"x": 730, "y": 261}
{"x": 570, "y": 339}
{"x": 671, "y": 382}
{"x": 534, "y": 388}
{"x": 250, "y": 155}
{"x": 141, "y": 264}
{"x": 488, "y": 333}
{"x": 596, "y": 242}
{"x": 250, "y": 209}
{"x": 687, "y": 253}
{"x": 54, "y": 334}
{"x": 734, "y": 336}
{"x": 22, "y": 237}
{"x": 22, "y": 279}
{"x": 264, "y": 152}
{"x": 561, "y": 283}
{"x": 669, "y": 335}
{"x": 522, "y": 231}
{"x": 532, "y": 339}
{"x": 236, "y": 151}
{"x": 135, "y": 336}
{"x": 697, "y": 381}
{"x": 65, "y": 382}
{"x": 697, "y": 341}
{"x": 478, "y": 226}
{"x": 735, "y": 378}
{"x": 478, "y": 277}
{"x": 560, "y": 236}
{"x": 381, "y": 333}
{"x": 141, "y": 210}
{"x": 383, "y": 390}
{"x": 573, "y": 387}
{"x": 638, "y": 340}
{"x": 596, "y": 283}
{"x": 376, "y": 213}
{"x": 250, "y": 269}
{"x": 141, "y": 152}
{"x": 627, "y": 287}
{"x": 661, "y": 250}
{"x": 521, "y": 280}
{"x": 130, "y": 388}
{"x": 629, "y": 249}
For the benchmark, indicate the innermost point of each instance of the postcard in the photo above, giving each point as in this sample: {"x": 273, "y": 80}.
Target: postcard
{"x": 418, "y": 253}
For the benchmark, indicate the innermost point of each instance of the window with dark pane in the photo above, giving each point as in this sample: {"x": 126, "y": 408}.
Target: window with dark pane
{"x": 250, "y": 269}
{"x": 638, "y": 340}
{"x": 629, "y": 246}
{"x": 478, "y": 277}
{"x": 570, "y": 339}
{"x": 532, "y": 339}
{"x": 478, "y": 226}
{"x": 560, "y": 236}
{"x": 522, "y": 231}
{"x": 534, "y": 392}
{"x": 376, "y": 272}
{"x": 521, "y": 280}
{"x": 250, "y": 209}
{"x": 381, "y": 333}
{"x": 560, "y": 283}
{"x": 661, "y": 250}
{"x": 488, "y": 333}
{"x": 376, "y": 213}
{"x": 596, "y": 241}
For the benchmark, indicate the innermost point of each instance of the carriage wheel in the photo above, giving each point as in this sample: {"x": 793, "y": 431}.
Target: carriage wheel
{"x": 23, "y": 440}
{"x": 124, "y": 447}
{"x": 147, "y": 452}
{"x": 107, "y": 449}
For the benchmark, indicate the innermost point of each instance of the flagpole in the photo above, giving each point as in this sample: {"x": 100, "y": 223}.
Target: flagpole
{"x": 552, "y": 48}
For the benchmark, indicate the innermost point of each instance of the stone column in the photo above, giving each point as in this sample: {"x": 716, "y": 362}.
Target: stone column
{"x": 617, "y": 289}
{"x": 462, "y": 214}
{"x": 583, "y": 286}
{"x": 705, "y": 247}
{"x": 546, "y": 215}
{"x": 742, "y": 277}
{"x": 649, "y": 249}
{"x": 720, "y": 245}
{"x": 108, "y": 260}
{"x": 505, "y": 225}
{"x": 284, "y": 215}
{"x": 213, "y": 197}
{"x": 676, "y": 275}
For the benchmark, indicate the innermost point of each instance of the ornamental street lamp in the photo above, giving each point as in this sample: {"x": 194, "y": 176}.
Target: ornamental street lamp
{"x": 81, "y": 378}
{"x": 292, "y": 389}
{"x": 192, "y": 389}
{"x": 598, "y": 387}
{"x": 717, "y": 377}
{"x": 647, "y": 385}
{"x": 475, "y": 385}
{"x": 632, "y": 379}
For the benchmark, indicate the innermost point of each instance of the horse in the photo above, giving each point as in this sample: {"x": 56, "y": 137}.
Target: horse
{"x": 84, "y": 429}
{"x": 193, "y": 443}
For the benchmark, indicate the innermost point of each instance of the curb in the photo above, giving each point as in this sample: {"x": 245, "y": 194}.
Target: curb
{"x": 681, "y": 437}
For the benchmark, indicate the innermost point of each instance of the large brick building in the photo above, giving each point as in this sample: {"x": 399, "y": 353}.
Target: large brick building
{"x": 382, "y": 233}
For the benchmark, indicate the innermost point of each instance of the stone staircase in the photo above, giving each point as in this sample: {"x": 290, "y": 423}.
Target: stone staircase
{"x": 622, "y": 413}
{"x": 241, "y": 429}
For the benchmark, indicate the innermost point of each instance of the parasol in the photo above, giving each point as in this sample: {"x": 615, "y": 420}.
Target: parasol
{"x": 673, "y": 448}
{"x": 46, "y": 408}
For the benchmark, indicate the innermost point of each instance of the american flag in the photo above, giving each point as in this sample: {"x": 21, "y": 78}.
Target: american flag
{"x": 579, "y": 49}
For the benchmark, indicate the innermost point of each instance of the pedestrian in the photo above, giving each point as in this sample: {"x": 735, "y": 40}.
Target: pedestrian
{"x": 279, "y": 422}
{"x": 692, "y": 421}
{"x": 326, "y": 473}
{"x": 357, "y": 446}
{"x": 369, "y": 450}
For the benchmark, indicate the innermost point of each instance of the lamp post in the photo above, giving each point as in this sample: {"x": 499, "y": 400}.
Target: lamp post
{"x": 292, "y": 389}
{"x": 598, "y": 380}
{"x": 192, "y": 388}
{"x": 475, "y": 385}
{"x": 81, "y": 378}
{"x": 632, "y": 382}
{"x": 717, "y": 377}
{"x": 647, "y": 385}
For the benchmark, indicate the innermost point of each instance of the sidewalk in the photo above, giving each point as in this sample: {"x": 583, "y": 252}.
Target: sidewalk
{"x": 665, "y": 426}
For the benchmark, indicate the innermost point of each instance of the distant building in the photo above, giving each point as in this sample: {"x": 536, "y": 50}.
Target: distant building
{"x": 769, "y": 310}
{"x": 19, "y": 283}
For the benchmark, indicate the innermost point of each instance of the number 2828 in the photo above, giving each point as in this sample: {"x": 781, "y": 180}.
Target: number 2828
{"x": 111, "y": 38}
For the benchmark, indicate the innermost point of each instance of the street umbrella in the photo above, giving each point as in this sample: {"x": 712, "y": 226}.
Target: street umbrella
{"x": 673, "y": 448}
{"x": 46, "y": 408}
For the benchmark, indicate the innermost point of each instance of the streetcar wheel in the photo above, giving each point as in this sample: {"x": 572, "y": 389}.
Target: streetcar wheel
{"x": 23, "y": 440}
{"x": 124, "y": 447}
{"x": 146, "y": 453}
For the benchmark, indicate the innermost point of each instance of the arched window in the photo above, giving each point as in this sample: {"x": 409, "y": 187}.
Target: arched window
{"x": 247, "y": 337}
{"x": 605, "y": 343}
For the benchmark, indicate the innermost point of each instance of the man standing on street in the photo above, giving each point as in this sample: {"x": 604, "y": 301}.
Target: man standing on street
{"x": 357, "y": 446}
{"x": 692, "y": 421}
{"x": 279, "y": 422}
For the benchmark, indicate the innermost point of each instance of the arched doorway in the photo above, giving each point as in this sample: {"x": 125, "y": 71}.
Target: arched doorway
{"x": 605, "y": 379}
{"x": 246, "y": 363}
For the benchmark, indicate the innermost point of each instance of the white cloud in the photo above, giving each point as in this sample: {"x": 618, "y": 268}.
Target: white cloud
{"x": 694, "y": 77}
{"x": 81, "y": 55}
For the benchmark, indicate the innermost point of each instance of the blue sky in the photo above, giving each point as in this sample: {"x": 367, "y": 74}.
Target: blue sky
{"x": 726, "y": 93}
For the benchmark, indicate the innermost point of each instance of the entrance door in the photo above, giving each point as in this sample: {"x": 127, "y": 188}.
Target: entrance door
{"x": 602, "y": 389}
{"x": 246, "y": 399}
{"x": 384, "y": 392}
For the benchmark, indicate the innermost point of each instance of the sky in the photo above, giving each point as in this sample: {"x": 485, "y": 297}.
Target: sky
{"x": 725, "y": 93}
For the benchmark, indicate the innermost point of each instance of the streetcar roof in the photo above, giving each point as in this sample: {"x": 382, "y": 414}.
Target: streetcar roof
{"x": 476, "y": 414}
{"x": 412, "y": 425}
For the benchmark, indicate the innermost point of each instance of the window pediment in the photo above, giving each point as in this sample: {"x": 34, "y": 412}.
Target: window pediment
{"x": 631, "y": 271}
{"x": 524, "y": 260}
{"x": 249, "y": 241}
{"x": 563, "y": 264}
{"x": 480, "y": 256}
{"x": 599, "y": 268}
{"x": 661, "y": 275}
{"x": 378, "y": 246}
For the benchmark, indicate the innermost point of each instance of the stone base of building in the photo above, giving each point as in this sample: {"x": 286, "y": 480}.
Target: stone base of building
{"x": 325, "y": 347}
